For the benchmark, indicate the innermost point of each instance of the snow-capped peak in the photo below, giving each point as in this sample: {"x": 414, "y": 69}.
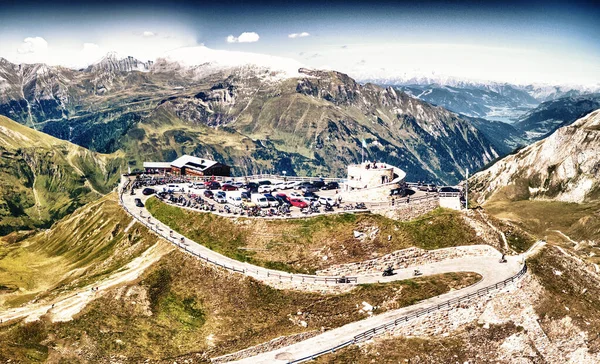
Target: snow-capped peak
{"x": 195, "y": 56}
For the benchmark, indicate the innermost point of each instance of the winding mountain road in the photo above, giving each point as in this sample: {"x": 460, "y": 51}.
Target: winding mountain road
{"x": 488, "y": 267}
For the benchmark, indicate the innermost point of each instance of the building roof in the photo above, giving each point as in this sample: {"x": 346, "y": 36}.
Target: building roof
{"x": 157, "y": 165}
{"x": 188, "y": 161}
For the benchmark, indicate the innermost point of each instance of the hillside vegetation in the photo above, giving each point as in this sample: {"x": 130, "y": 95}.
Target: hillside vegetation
{"x": 43, "y": 178}
{"x": 181, "y": 307}
{"x": 307, "y": 245}
{"x": 80, "y": 249}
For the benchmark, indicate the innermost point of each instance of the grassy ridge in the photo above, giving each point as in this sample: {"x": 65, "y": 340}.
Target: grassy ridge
{"x": 301, "y": 245}
{"x": 181, "y": 307}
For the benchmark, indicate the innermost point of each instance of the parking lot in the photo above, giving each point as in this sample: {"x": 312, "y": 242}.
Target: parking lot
{"x": 241, "y": 197}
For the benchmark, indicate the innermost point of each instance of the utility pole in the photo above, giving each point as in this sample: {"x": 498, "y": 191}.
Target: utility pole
{"x": 467, "y": 191}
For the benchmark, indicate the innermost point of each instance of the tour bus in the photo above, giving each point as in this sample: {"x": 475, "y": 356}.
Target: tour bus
{"x": 259, "y": 199}
{"x": 234, "y": 198}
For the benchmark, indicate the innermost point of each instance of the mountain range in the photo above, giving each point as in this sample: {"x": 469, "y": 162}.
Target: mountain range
{"x": 491, "y": 100}
{"x": 254, "y": 117}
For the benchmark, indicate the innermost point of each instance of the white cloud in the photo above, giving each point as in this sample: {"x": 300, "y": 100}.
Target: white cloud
{"x": 245, "y": 37}
{"x": 148, "y": 33}
{"x": 298, "y": 35}
{"x": 33, "y": 45}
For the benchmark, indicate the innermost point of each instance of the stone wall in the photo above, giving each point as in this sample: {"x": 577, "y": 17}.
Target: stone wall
{"x": 451, "y": 203}
{"x": 405, "y": 212}
{"x": 265, "y": 347}
{"x": 408, "y": 258}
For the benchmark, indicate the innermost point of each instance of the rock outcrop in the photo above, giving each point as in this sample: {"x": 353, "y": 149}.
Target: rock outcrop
{"x": 563, "y": 167}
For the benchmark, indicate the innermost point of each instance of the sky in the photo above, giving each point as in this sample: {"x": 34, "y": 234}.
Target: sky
{"x": 517, "y": 42}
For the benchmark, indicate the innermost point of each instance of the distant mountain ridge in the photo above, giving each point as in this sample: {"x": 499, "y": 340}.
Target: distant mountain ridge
{"x": 551, "y": 115}
{"x": 502, "y": 102}
{"x": 538, "y": 91}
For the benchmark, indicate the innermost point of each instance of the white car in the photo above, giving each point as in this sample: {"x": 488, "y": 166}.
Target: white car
{"x": 289, "y": 184}
{"x": 272, "y": 200}
{"x": 296, "y": 195}
{"x": 265, "y": 189}
{"x": 279, "y": 186}
{"x": 326, "y": 200}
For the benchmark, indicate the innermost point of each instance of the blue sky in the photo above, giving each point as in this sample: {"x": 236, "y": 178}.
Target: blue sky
{"x": 516, "y": 42}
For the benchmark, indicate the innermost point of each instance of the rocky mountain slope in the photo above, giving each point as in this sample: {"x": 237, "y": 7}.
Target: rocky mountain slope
{"x": 254, "y": 118}
{"x": 551, "y": 115}
{"x": 43, "y": 178}
{"x": 565, "y": 167}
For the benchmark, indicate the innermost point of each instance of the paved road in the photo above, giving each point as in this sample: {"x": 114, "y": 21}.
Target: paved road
{"x": 488, "y": 267}
{"x": 491, "y": 271}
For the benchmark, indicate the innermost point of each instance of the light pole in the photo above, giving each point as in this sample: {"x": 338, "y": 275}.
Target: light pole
{"x": 284, "y": 176}
{"x": 467, "y": 191}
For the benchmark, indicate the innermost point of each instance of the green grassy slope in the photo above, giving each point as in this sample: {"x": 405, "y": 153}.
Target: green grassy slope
{"x": 43, "y": 178}
{"x": 81, "y": 248}
{"x": 300, "y": 245}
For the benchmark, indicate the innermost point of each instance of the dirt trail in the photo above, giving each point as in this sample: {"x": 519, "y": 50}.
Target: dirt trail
{"x": 64, "y": 308}
{"x": 502, "y": 235}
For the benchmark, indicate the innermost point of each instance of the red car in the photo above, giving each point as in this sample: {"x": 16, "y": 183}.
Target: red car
{"x": 298, "y": 203}
{"x": 228, "y": 187}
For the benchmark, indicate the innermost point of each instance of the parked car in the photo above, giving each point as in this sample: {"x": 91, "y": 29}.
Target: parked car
{"x": 245, "y": 196}
{"x": 326, "y": 200}
{"x": 208, "y": 194}
{"x": 331, "y": 186}
{"x": 259, "y": 200}
{"x": 237, "y": 184}
{"x": 282, "y": 198}
{"x": 252, "y": 187}
{"x": 235, "y": 199}
{"x": 220, "y": 197}
{"x": 213, "y": 185}
{"x": 398, "y": 192}
{"x": 272, "y": 200}
{"x": 265, "y": 189}
{"x": 289, "y": 184}
{"x": 449, "y": 189}
{"x": 298, "y": 203}
{"x": 296, "y": 195}
{"x": 308, "y": 188}
{"x": 318, "y": 183}
{"x": 309, "y": 196}
{"x": 279, "y": 186}
{"x": 264, "y": 182}
{"x": 138, "y": 202}
{"x": 299, "y": 185}
{"x": 431, "y": 188}
{"x": 228, "y": 187}
{"x": 148, "y": 191}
